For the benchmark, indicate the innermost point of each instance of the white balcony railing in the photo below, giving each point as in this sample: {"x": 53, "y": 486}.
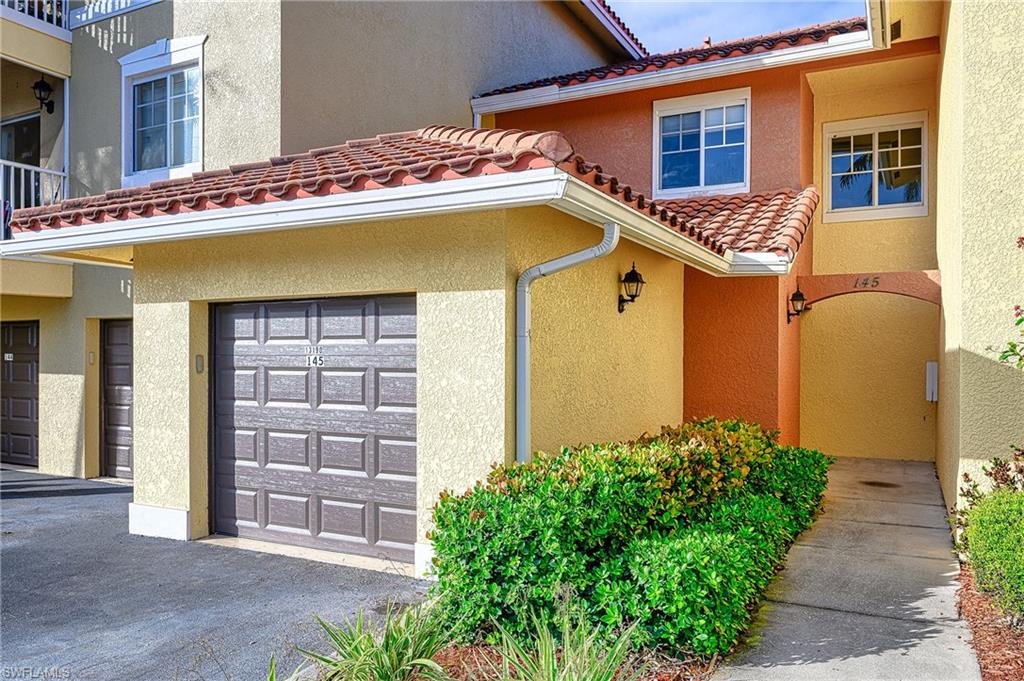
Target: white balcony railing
{"x": 27, "y": 186}
{"x": 52, "y": 12}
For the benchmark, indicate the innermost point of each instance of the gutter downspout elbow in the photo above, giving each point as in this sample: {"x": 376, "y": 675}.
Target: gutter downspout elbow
{"x": 526, "y": 279}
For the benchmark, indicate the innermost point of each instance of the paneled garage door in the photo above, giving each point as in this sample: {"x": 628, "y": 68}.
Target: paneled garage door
{"x": 315, "y": 423}
{"x": 19, "y": 393}
{"x": 117, "y": 397}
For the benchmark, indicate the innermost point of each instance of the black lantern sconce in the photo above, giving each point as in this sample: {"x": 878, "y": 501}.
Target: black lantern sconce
{"x": 798, "y": 302}
{"x": 632, "y": 284}
{"x": 43, "y": 91}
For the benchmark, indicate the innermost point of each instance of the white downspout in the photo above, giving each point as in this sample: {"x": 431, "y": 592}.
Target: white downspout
{"x": 544, "y": 269}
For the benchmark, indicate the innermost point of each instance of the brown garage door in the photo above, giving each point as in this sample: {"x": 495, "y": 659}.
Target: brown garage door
{"x": 117, "y": 397}
{"x": 19, "y": 393}
{"x": 315, "y": 423}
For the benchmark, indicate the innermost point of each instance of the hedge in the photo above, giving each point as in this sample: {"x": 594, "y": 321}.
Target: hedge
{"x": 995, "y": 537}
{"x": 678, "y": 533}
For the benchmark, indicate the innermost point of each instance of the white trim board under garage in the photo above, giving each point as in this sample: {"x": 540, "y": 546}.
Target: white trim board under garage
{"x": 158, "y": 521}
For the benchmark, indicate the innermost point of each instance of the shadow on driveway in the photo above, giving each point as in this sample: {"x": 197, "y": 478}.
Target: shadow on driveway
{"x": 80, "y": 595}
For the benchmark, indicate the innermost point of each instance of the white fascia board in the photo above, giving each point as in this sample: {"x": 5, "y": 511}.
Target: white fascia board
{"x": 35, "y": 23}
{"x": 613, "y": 28}
{"x": 837, "y": 46}
{"x": 487, "y": 192}
{"x": 542, "y": 186}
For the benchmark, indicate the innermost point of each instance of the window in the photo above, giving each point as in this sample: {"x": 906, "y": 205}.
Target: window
{"x": 167, "y": 121}
{"x": 702, "y": 144}
{"x": 162, "y": 111}
{"x": 876, "y": 168}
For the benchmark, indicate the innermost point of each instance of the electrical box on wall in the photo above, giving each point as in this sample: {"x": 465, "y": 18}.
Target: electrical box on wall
{"x": 931, "y": 381}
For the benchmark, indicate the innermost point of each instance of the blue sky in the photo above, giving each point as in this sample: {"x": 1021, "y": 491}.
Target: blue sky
{"x": 671, "y": 24}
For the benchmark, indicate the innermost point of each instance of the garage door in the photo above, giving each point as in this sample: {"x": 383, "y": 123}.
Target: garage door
{"x": 19, "y": 393}
{"x": 117, "y": 398}
{"x": 315, "y": 423}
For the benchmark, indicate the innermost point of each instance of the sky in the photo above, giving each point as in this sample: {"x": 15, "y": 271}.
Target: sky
{"x": 667, "y": 25}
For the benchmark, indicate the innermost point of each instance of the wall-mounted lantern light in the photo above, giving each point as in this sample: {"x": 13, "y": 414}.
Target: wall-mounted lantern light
{"x": 43, "y": 91}
{"x": 632, "y": 283}
{"x": 798, "y": 302}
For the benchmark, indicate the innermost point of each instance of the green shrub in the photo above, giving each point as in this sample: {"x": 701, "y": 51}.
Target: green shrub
{"x": 667, "y": 532}
{"x": 796, "y": 476}
{"x": 995, "y": 540}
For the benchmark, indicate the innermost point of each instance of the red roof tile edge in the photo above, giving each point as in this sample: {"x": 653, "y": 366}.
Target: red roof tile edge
{"x": 772, "y": 222}
{"x": 610, "y": 13}
{"x": 805, "y": 35}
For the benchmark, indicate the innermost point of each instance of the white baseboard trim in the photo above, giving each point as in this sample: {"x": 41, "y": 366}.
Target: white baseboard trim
{"x": 422, "y": 561}
{"x": 157, "y": 521}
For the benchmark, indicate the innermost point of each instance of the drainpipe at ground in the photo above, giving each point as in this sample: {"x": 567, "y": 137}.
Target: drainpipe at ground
{"x": 526, "y": 279}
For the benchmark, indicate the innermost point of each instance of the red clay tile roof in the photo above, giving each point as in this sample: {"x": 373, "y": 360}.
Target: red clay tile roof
{"x": 773, "y": 222}
{"x": 696, "y": 55}
{"x": 621, "y": 24}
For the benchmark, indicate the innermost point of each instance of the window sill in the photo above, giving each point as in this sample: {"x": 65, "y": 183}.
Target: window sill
{"x": 145, "y": 177}
{"x": 672, "y": 194}
{"x": 870, "y": 214}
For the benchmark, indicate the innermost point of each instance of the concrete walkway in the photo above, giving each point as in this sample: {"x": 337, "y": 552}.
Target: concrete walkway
{"x": 869, "y": 592}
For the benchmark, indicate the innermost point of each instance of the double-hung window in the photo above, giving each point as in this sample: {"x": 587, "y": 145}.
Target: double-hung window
{"x": 162, "y": 110}
{"x": 876, "y": 168}
{"x": 166, "y": 120}
{"x": 702, "y": 144}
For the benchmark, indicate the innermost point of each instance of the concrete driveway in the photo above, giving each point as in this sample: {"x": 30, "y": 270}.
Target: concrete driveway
{"x": 83, "y": 599}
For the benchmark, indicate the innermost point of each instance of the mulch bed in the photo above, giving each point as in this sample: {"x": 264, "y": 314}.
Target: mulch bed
{"x": 483, "y": 663}
{"x": 999, "y": 646}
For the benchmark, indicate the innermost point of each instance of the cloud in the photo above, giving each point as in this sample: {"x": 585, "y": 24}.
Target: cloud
{"x": 672, "y": 24}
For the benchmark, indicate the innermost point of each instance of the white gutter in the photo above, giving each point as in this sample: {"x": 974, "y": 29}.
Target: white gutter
{"x": 523, "y": 324}
{"x": 539, "y": 187}
{"x": 836, "y": 46}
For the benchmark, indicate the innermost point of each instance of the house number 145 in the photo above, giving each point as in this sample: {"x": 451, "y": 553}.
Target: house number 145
{"x": 314, "y": 356}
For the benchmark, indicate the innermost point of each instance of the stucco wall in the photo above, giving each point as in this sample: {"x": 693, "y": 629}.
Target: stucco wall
{"x": 456, "y": 266}
{"x": 863, "y": 355}
{"x": 241, "y": 83}
{"x": 68, "y": 400}
{"x": 356, "y": 69}
{"x": 597, "y": 375}
{"x": 978, "y": 226}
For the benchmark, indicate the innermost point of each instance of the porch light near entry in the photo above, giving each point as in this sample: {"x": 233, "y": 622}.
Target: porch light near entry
{"x": 43, "y": 91}
{"x": 798, "y": 302}
{"x": 632, "y": 283}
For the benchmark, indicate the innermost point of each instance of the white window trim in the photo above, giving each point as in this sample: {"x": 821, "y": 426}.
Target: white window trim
{"x": 872, "y": 125}
{"x": 678, "y": 105}
{"x": 163, "y": 56}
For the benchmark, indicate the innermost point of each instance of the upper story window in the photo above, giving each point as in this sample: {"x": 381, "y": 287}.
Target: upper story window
{"x": 162, "y": 111}
{"x": 166, "y": 124}
{"x": 702, "y": 144}
{"x": 876, "y": 168}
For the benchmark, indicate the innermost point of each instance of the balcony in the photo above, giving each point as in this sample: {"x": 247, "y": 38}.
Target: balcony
{"x": 51, "y": 14}
{"x": 27, "y": 186}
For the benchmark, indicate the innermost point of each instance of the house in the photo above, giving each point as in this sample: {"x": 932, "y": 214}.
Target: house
{"x": 157, "y": 92}
{"x": 324, "y": 341}
{"x": 881, "y": 114}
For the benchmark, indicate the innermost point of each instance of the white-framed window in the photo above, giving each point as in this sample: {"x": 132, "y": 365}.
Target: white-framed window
{"x": 876, "y": 168}
{"x": 162, "y": 111}
{"x": 702, "y": 144}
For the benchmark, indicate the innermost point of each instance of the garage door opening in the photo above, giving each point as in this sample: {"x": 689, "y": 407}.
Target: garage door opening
{"x": 116, "y": 361}
{"x": 314, "y": 423}
{"x": 19, "y": 393}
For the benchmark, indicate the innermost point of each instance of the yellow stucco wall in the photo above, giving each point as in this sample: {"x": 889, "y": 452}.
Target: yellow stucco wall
{"x": 979, "y": 221}
{"x": 37, "y": 49}
{"x": 68, "y": 384}
{"x": 28, "y": 278}
{"x": 455, "y": 264}
{"x": 597, "y": 375}
{"x": 863, "y": 356}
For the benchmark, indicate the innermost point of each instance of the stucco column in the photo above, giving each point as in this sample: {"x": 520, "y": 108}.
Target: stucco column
{"x": 460, "y": 396}
{"x": 170, "y": 431}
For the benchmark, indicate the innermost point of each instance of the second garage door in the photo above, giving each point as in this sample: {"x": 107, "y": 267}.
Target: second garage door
{"x": 315, "y": 423}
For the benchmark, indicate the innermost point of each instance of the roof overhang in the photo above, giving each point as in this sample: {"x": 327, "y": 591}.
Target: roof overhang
{"x": 837, "y": 46}
{"x": 597, "y": 16}
{"x": 542, "y": 186}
